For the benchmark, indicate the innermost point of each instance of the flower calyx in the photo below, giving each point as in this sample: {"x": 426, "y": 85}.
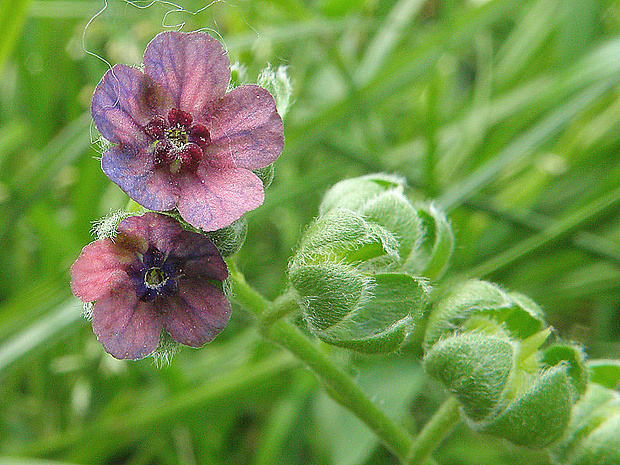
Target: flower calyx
{"x": 489, "y": 348}
{"x": 356, "y": 269}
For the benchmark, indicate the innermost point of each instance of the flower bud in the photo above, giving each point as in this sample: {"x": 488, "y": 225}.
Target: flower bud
{"x": 348, "y": 293}
{"x": 355, "y": 268}
{"x": 353, "y": 193}
{"x": 430, "y": 259}
{"x": 573, "y": 358}
{"x": 537, "y": 417}
{"x": 475, "y": 368}
{"x": 592, "y": 435}
{"x": 343, "y": 235}
{"x": 485, "y": 346}
{"x": 467, "y": 302}
{"x": 348, "y": 308}
{"x": 425, "y": 238}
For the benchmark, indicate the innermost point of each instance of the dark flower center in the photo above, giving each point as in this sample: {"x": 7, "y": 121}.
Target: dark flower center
{"x": 156, "y": 275}
{"x": 177, "y": 143}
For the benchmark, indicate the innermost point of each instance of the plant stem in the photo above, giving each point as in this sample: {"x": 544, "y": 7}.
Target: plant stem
{"x": 338, "y": 384}
{"x": 244, "y": 294}
{"x": 434, "y": 431}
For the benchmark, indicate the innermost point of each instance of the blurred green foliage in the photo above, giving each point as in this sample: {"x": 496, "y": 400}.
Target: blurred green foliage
{"x": 505, "y": 111}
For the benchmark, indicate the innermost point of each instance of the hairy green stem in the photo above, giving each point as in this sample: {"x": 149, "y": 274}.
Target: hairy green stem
{"x": 338, "y": 384}
{"x": 434, "y": 431}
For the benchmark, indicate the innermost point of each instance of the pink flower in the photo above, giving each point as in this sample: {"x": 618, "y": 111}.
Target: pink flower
{"x": 154, "y": 275}
{"x": 179, "y": 139}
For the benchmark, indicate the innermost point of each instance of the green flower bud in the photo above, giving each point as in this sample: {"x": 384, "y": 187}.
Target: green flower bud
{"x": 353, "y": 193}
{"x": 424, "y": 235}
{"x": 393, "y": 211}
{"x": 573, "y": 358}
{"x": 230, "y": 239}
{"x": 343, "y": 235}
{"x": 537, "y": 417}
{"x": 592, "y": 435}
{"x": 350, "y": 297}
{"x": 475, "y": 368}
{"x": 431, "y": 256}
{"x": 347, "y": 308}
{"x": 485, "y": 346}
{"x": 355, "y": 265}
{"x": 474, "y": 303}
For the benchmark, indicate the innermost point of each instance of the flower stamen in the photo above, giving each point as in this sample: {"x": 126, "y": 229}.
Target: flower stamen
{"x": 177, "y": 142}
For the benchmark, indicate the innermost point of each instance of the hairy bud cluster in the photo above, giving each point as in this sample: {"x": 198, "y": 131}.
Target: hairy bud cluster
{"x": 592, "y": 434}
{"x": 363, "y": 268}
{"x": 487, "y": 346}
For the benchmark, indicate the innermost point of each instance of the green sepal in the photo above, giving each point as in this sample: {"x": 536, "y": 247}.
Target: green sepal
{"x": 592, "y": 436}
{"x": 329, "y": 293}
{"x": 431, "y": 257}
{"x": 537, "y": 417}
{"x": 352, "y": 310}
{"x": 605, "y": 372}
{"x": 230, "y": 239}
{"x": 475, "y": 368}
{"x": 266, "y": 175}
{"x": 344, "y": 235}
{"x": 353, "y": 193}
{"x": 393, "y": 211}
{"x": 517, "y": 314}
{"x": 574, "y": 358}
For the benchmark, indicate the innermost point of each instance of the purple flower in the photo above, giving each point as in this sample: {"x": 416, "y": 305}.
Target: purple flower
{"x": 179, "y": 140}
{"x": 154, "y": 275}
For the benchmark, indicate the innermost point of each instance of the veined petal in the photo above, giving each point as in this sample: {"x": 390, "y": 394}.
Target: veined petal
{"x": 134, "y": 172}
{"x": 160, "y": 231}
{"x": 99, "y": 269}
{"x": 197, "y": 313}
{"x": 127, "y": 327}
{"x": 212, "y": 199}
{"x": 193, "y": 68}
{"x": 246, "y": 128}
{"x": 200, "y": 257}
{"x": 124, "y": 100}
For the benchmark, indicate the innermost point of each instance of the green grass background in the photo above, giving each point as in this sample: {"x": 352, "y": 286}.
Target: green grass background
{"x": 507, "y": 112}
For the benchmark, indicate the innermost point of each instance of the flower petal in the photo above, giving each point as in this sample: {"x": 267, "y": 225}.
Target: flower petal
{"x": 246, "y": 128}
{"x": 134, "y": 172}
{"x": 193, "y": 67}
{"x": 124, "y": 100}
{"x": 200, "y": 257}
{"x": 127, "y": 327}
{"x": 212, "y": 199}
{"x": 197, "y": 313}
{"x": 99, "y": 269}
{"x": 153, "y": 227}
